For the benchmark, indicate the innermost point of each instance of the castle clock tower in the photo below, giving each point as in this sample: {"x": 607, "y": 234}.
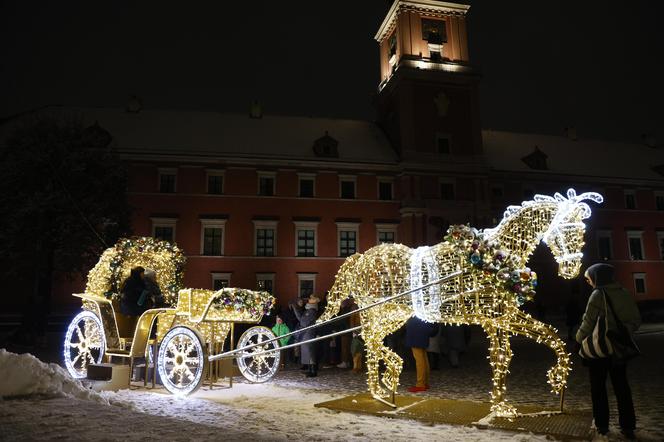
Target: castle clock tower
{"x": 428, "y": 105}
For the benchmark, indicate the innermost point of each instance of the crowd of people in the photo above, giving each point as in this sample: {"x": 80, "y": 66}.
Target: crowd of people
{"x": 609, "y": 303}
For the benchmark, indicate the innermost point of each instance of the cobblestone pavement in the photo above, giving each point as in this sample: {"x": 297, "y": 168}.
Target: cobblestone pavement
{"x": 526, "y": 382}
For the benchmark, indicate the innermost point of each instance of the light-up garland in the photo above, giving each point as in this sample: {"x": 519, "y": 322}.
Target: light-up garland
{"x": 494, "y": 282}
{"x": 247, "y": 304}
{"x": 116, "y": 262}
{"x": 201, "y": 317}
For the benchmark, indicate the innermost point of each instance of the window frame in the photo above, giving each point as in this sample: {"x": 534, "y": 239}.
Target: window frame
{"x": 443, "y": 136}
{"x": 386, "y": 228}
{"x": 385, "y": 180}
{"x": 346, "y": 179}
{"x": 270, "y": 175}
{"x": 660, "y": 195}
{"x": 221, "y": 276}
{"x": 306, "y": 176}
{"x": 265, "y": 225}
{"x": 660, "y": 238}
{"x": 631, "y": 193}
{"x": 604, "y": 234}
{"x": 306, "y": 225}
{"x": 164, "y": 222}
{"x": 212, "y": 224}
{"x": 348, "y": 227}
{"x": 450, "y": 181}
{"x": 641, "y": 276}
{"x": 167, "y": 171}
{"x": 306, "y": 277}
{"x": 633, "y": 234}
{"x": 214, "y": 173}
{"x": 269, "y": 276}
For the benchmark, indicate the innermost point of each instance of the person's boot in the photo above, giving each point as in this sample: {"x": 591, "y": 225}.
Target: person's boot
{"x": 313, "y": 371}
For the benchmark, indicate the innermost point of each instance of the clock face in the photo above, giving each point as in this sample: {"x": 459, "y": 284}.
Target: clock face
{"x": 437, "y": 26}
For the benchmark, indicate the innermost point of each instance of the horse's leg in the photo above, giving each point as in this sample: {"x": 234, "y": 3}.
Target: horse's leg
{"x": 500, "y": 355}
{"x": 526, "y": 325}
{"x": 385, "y": 320}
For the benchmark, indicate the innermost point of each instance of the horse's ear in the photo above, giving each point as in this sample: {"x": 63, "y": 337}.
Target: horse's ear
{"x": 559, "y": 197}
{"x": 592, "y": 196}
{"x": 571, "y": 194}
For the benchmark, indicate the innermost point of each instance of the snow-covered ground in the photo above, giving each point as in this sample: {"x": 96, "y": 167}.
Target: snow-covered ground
{"x": 42, "y": 403}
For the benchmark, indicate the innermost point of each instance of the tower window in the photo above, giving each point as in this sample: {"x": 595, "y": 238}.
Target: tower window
{"x": 443, "y": 144}
{"x": 630, "y": 199}
{"x": 430, "y": 26}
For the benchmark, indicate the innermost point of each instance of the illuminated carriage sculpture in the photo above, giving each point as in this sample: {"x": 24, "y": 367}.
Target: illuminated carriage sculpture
{"x": 184, "y": 335}
{"x": 473, "y": 277}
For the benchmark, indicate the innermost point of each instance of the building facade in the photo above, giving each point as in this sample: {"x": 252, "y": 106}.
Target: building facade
{"x": 279, "y": 202}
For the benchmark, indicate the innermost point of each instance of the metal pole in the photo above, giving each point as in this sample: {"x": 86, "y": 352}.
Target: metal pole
{"x": 230, "y": 355}
{"x": 336, "y": 318}
{"x": 276, "y": 349}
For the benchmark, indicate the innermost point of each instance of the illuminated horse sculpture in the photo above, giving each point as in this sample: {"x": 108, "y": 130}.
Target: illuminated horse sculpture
{"x": 493, "y": 282}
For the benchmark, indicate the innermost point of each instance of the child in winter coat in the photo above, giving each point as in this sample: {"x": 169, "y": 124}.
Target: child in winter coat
{"x": 280, "y": 328}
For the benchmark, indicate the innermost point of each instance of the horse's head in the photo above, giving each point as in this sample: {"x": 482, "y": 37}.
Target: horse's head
{"x": 565, "y": 233}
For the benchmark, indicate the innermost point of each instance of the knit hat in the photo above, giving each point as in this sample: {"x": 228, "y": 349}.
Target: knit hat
{"x": 600, "y": 274}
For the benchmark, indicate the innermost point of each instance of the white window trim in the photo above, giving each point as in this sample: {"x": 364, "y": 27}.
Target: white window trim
{"x": 265, "y": 224}
{"x": 352, "y": 178}
{"x": 305, "y": 277}
{"x": 213, "y": 223}
{"x": 658, "y": 193}
{"x": 306, "y": 176}
{"x": 164, "y": 222}
{"x": 167, "y": 171}
{"x": 451, "y": 181}
{"x": 215, "y": 172}
{"x": 629, "y": 192}
{"x": 386, "y": 228}
{"x": 272, "y": 175}
{"x": 640, "y": 275}
{"x": 660, "y": 237}
{"x": 307, "y": 225}
{"x": 605, "y": 234}
{"x": 266, "y": 277}
{"x": 385, "y": 180}
{"x": 348, "y": 227}
{"x": 221, "y": 276}
{"x": 635, "y": 234}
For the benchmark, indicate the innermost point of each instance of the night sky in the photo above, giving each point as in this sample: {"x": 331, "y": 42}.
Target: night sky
{"x": 594, "y": 65}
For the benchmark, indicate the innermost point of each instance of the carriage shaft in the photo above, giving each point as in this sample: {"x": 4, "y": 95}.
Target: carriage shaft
{"x": 231, "y": 353}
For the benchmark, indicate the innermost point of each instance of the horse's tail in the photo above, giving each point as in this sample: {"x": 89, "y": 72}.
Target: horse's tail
{"x": 341, "y": 289}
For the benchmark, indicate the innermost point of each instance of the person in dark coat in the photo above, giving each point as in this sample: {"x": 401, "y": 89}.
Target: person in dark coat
{"x": 601, "y": 278}
{"x": 307, "y": 317}
{"x": 130, "y": 292}
{"x": 151, "y": 296}
{"x": 418, "y": 333}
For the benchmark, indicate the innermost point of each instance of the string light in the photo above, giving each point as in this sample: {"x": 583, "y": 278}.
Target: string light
{"x": 166, "y": 259}
{"x": 494, "y": 283}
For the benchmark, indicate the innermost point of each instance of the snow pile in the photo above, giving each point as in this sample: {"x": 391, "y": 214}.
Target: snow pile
{"x": 25, "y": 375}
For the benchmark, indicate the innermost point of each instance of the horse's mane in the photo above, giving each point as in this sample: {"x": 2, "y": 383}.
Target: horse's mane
{"x": 570, "y": 202}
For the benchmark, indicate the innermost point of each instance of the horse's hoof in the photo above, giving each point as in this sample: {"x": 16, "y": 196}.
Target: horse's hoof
{"x": 503, "y": 409}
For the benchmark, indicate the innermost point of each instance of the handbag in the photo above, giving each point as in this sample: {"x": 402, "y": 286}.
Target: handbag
{"x": 597, "y": 344}
{"x": 624, "y": 346}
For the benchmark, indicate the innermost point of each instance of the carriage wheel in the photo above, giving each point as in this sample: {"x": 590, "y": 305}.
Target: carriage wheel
{"x": 85, "y": 344}
{"x": 181, "y": 361}
{"x": 263, "y": 367}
